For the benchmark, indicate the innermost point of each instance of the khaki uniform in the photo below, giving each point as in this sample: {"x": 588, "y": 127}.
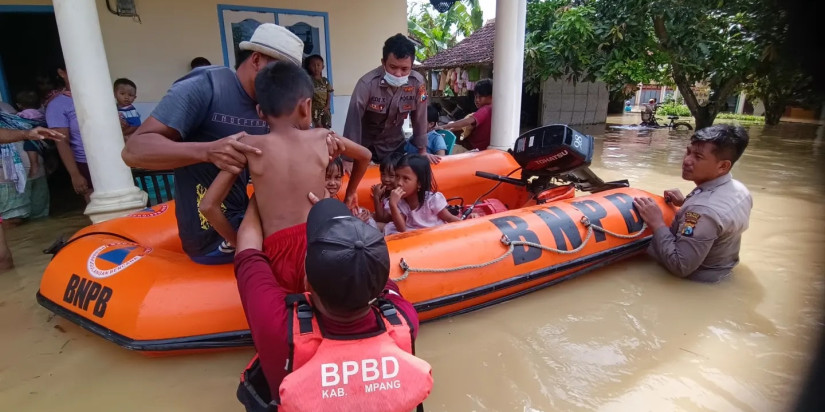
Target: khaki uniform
{"x": 377, "y": 112}
{"x": 703, "y": 242}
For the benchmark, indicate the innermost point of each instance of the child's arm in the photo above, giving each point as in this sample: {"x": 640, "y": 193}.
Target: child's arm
{"x": 361, "y": 157}
{"x": 397, "y": 218}
{"x": 210, "y": 205}
{"x": 458, "y": 125}
{"x": 34, "y": 162}
{"x": 128, "y": 130}
{"x": 381, "y": 214}
{"x": 448, "y": 217}
{"x": 125, "y": 127}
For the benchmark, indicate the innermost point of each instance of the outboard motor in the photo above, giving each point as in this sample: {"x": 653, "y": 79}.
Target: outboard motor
{"x": 557, "y": 152}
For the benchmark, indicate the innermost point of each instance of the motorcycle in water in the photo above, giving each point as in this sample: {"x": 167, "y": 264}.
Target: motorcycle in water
{"x": 649, "y": 120}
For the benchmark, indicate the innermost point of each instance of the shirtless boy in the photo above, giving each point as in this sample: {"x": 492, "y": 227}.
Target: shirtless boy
{"x": 292, "y": 163}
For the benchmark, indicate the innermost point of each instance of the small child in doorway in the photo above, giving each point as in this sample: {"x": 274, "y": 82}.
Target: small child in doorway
{"x": 291, "y": 165}
{"x": 125, "y": 94}
{"x": 321, "y": 116}
{"x": 29, "y": 105}
{"x": 416, "y": 203}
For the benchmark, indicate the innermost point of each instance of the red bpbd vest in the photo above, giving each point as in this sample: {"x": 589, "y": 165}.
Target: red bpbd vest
{"x": 370, "y": 372}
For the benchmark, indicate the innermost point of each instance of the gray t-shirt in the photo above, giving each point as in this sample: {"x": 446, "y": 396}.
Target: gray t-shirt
{"x": 207, "y": 104}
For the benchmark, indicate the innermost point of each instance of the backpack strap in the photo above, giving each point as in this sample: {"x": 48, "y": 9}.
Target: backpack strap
{"x": 298, "y": 303}
{"x": 398, "y": 326}
{"x": 389, "y": 311}
{"x": 304, "y": 339}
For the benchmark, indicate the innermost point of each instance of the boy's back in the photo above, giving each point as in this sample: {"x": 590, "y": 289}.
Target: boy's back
{"x": 292, "y": 164}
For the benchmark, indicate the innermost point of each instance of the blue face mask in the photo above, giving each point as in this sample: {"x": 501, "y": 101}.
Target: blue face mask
{"x": 395, "y": 81}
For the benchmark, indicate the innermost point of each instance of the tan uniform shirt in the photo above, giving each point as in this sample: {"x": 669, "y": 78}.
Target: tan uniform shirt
{"x": 703, "y": 242}
{"x": 377, "y": 112}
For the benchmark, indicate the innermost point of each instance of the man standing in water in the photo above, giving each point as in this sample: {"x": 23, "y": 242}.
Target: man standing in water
{"x": 703, "y": 242}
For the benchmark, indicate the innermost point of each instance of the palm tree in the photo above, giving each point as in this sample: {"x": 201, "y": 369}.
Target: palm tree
{"x": 440, "y": 32}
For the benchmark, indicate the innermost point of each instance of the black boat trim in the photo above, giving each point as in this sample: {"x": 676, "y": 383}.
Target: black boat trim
{"x": 211, "y": 341}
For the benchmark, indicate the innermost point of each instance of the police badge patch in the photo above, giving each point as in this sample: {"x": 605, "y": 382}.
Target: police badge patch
{"x": 422, "y": 93}
{"x": 691, "y": 218}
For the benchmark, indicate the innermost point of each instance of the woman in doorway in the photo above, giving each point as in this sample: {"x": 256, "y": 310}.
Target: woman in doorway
{"x": 61, "y": 116}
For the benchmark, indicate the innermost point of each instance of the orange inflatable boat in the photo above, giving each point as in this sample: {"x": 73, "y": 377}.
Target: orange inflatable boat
{"x": 129, "y": 281}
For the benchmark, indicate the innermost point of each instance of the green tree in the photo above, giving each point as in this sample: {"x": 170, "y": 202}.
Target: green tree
{"x": 779, "y": 80}
{"x": 780, "y": 84}
{"x": 624, "y": 42}
{"x": 440, "y": 31}
{"x": 716, "y": 42}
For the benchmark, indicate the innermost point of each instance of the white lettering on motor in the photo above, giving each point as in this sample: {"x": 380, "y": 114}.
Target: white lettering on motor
{"x": 329, "y": 370}
{"x": 555, "y": 157}
{"x": 382, "y": 386}
{"x": 368, "y": 367}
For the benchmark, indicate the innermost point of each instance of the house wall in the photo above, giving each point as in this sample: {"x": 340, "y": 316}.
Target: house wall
{"x": 157, "y": 51}
{"x": 574, "y": 104}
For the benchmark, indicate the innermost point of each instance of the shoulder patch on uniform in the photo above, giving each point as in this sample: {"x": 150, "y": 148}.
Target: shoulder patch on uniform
{"x": 422, "y": 93}
{"x": 691, "y": 218}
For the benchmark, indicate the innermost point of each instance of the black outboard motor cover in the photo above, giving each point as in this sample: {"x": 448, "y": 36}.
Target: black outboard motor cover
{"x": 553, "y": 150}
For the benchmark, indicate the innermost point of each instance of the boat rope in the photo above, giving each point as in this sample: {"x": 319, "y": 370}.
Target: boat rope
{"x": 511, "y": 247}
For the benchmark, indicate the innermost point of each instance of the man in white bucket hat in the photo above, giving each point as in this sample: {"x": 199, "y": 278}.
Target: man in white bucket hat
{"x": 195, "y": 129}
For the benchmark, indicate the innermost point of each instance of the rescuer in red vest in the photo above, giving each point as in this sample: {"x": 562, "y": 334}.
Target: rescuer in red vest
{"x": 347, "y": 344}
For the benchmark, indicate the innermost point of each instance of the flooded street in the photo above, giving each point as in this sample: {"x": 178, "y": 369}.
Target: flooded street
{"x": 628, "y": 337}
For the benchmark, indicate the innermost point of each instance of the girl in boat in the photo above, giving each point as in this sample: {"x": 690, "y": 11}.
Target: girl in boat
{"x": 416, "y": 203}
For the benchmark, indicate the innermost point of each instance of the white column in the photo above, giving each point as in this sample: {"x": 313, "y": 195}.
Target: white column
{"x": 740, "y": 103}
{"x": 82, "y": 43}
{"x": 508, "y": 66}
{"x": 676, "y": 94}
{"x": 639, "y": 94}
{"x": 662, "y": 94}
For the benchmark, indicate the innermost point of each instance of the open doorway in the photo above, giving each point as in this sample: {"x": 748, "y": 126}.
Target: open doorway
{"x": 31, "y": 47}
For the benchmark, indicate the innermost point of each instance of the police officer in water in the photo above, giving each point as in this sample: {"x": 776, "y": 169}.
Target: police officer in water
{"x": 703, "y": 242}
{"x": 383, "y": 98}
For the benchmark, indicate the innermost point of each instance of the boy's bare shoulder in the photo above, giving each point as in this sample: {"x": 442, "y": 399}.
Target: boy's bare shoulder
{"x": 314, "y": 133}
{"x": 256, "y": 140}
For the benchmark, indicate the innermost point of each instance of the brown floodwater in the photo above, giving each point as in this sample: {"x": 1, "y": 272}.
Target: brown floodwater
{"x": 625, "y": 337}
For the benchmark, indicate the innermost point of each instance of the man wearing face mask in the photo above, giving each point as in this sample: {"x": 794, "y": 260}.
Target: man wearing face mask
{"x": 383, "y": 98}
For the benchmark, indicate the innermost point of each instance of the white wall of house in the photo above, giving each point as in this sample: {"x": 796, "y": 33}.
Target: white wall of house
{"x": 157, "y": 51}
{"x": 574, "y": 103}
